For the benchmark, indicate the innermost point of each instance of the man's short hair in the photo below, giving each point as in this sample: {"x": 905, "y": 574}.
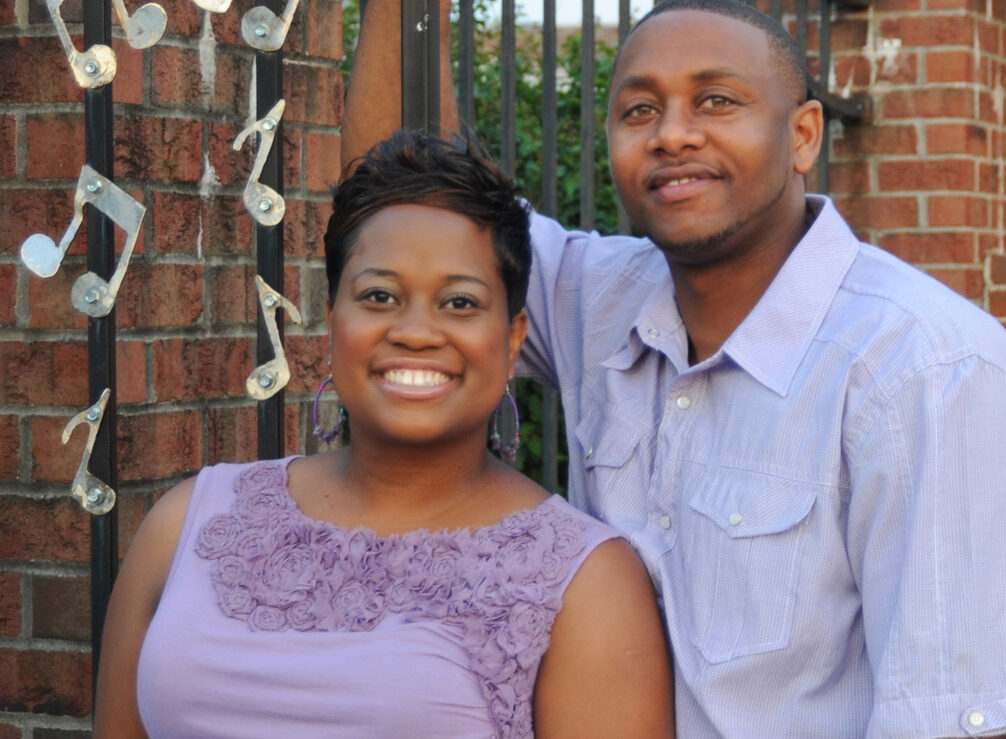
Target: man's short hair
{"x": 413, "y": 168}
{"x": 793, "y": 58}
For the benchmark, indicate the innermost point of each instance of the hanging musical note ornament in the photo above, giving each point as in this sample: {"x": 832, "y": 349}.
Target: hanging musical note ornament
{"x": 94, "y": 496}
{"x": 268, "y": 379}
{"x": 91, "y": 294}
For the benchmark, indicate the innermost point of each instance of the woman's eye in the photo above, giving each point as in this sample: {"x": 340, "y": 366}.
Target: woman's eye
{"x": 376, "y": 295}
{"x": 460, "y": 302}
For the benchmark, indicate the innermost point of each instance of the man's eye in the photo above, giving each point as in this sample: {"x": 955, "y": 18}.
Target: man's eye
{"x": 715, "y": 102}
{"x": 639, "y": 111}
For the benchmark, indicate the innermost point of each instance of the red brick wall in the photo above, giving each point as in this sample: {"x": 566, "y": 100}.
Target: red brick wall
{"x": 924, "y": 179}
{"x": 185, "y": 313}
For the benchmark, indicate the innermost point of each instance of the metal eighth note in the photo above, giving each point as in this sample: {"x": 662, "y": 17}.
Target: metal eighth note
{"x": 91, "y": 294}
{"x": 262, "y": 29}
{"x": 268, "y": 379}
{"x": 145, "y": 27}
{"x": 92, "y": 68}
{"x": 214, "y": 6}
{"x": 265, "y": 204}
{"x": 94, "y": 496}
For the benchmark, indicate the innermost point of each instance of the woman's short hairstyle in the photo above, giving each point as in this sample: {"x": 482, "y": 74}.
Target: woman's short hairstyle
{"x": 413, "y": 168}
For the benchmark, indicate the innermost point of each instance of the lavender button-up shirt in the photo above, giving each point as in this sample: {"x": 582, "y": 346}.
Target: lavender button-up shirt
{"x": 822, "y": 503}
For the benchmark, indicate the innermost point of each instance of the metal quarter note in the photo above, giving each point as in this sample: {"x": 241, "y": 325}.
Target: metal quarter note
{"x": 264, "y": 203}
{"x": 94, "y": 496}
{"x": 268, "y": 379}
{"x": 145, "y": 27}
{"x": 262, "y": 29}
{"x": 91, "y": 68}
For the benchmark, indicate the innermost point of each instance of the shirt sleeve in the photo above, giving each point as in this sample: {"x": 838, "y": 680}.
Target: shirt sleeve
{"x": 926, "y": 522}
{"x": 549, "y": 244}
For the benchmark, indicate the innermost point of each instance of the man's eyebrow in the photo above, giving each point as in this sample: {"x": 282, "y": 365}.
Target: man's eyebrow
{"x": 646, "y": 81}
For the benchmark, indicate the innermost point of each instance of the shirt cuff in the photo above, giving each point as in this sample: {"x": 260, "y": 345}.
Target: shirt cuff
{"x": 939, "y": 716}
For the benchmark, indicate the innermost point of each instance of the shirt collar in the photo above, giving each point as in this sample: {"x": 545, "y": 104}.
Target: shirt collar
{"x": 772, "y": 341}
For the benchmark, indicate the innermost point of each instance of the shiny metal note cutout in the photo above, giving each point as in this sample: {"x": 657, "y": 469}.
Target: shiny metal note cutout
{"x": 92, "y": 68}
{"x": 214, "y": 6}
{"x": 94, "y": 496}
{"x": 145, "y": 27}
{"x": 91, "y": 294}
{"x": 268, "y": 379}
{"x": 265, "y": 204}
{"x": 262, "y": 29}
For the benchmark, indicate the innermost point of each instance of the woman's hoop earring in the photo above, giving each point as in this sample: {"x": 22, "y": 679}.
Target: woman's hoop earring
{"x": 507, "y": 451}
{"x": 335, "y": 433}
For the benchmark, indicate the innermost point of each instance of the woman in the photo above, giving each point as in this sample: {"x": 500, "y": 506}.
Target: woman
{"x": 409, "y": 584}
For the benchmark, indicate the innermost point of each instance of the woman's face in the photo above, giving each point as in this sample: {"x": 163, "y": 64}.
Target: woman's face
{"x": 422, "y": 346}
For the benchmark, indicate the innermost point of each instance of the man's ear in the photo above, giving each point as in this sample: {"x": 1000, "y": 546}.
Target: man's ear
{"x": 518, "y": 332}
{"x": 808, "y": 128}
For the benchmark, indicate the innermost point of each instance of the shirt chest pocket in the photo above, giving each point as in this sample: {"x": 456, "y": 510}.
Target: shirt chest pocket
{"x": 743, "y": 537}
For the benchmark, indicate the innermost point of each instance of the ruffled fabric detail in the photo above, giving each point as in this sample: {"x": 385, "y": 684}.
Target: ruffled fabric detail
{"x": 500, "y": 586}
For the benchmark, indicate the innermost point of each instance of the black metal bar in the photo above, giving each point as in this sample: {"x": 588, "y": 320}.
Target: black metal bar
{"x": 587, "y": 74}
{"x": 824, "y": 62}
{"x": 466, "y": 62}
{"x": 98, "y": 149}
{"x": 421, "y": 65}
{"x": 549, "y": 199}
{"x": 801, "y": 24}
{"x": 508, "y": 83}
{"x": 269, "y": 242}
{"x": 624, "y": 26}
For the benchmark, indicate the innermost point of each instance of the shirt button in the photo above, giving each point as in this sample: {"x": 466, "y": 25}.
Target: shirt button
{"x": 976, "y": 719}
{"x": 654, "y": 332}
{"x": 684, "y": 402}
{"x": 665, "y": 522}
{"x": 735, "y": 518}
{"x": 589, "y": 452}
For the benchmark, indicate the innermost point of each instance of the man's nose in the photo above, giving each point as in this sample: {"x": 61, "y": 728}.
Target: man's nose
{"x": 677, "y": 129}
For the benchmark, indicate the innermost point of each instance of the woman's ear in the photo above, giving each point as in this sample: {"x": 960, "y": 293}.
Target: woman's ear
{"x": 518, "y": 332}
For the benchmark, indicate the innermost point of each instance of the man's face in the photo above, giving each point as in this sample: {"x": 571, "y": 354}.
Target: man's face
{"x": 702, "y": 137}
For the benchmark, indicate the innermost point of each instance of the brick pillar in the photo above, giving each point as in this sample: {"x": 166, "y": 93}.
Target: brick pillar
{"x": 185, "y": 314}
{"x": 925, "y": 179}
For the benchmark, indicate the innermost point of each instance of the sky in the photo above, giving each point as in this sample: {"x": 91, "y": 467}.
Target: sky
{"x": 567, "y": 12}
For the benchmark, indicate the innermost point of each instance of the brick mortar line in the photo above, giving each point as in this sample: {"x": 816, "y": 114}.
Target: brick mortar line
{"x": 16, "y": 335}
{"x": 39, "y": 644}
{"x": 44, "y": 721}
{"x": 156, "y": 408}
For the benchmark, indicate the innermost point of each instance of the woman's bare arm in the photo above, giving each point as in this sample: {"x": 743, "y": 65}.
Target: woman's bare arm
{"x": 607, "y": 670}
{"x": 374, "y": 99}
{"x": 134, "y": 600}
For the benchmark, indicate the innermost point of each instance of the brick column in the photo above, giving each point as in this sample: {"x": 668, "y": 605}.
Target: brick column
{"x": 925, "y": 178}
{"x": 185, "y": 313}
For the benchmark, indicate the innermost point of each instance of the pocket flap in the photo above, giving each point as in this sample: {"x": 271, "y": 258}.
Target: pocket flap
{"x": 745, "y": 503}
{"x": 606, "y": 442}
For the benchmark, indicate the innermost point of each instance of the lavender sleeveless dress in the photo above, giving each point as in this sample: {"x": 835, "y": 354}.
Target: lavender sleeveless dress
{"x": 273, "y": 624}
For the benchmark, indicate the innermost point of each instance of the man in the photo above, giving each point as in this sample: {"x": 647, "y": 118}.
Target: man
{"x": 799, "y": 432}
